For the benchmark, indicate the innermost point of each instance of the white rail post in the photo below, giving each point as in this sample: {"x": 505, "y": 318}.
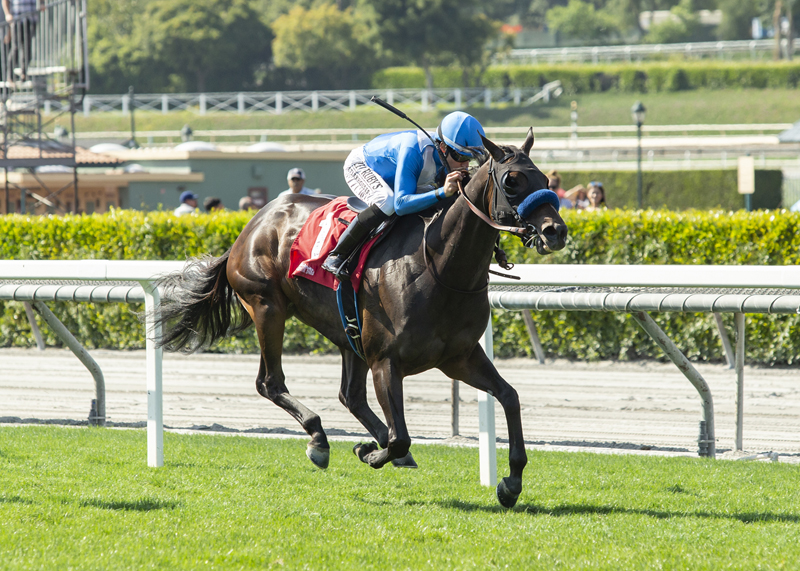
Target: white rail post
{"x": 164, "y": 104}
{"x": 202, "y": 104}
{"x": 457, "y": 97}
{"x": 314, "y": 101}
{"x": 352, "y": 100}
{"x": 154, "y": 354}
{"x": 739, "y": 320}
{"x": 424, "y": 99}
{"x": 278, "y": 103}
{"x": 125, "y": 102}
{"x": 240, "y": 103}
{"x": 487, "y": 438}
{"x": 87, "y": 106}
{"x": 487, "y": 98}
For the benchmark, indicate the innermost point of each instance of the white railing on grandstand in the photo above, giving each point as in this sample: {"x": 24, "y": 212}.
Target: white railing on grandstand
{"x": 639, "y": 52}
{"x": 278, "y": 102}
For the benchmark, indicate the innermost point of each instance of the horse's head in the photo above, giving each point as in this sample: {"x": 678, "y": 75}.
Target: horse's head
{"x": 513, "y": 192}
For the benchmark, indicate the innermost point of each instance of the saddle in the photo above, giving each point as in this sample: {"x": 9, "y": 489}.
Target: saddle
{"x": 316, "y": 239}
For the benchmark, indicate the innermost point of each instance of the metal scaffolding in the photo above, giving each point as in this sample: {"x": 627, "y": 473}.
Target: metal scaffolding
{"x": 43, "y": 67}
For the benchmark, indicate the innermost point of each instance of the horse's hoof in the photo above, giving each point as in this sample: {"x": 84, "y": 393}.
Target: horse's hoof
{"x": 406, "y": 461}
{"x": 506, "y": 497}
{"x": 363, "y": 448}
{"x": 318, "y": 456}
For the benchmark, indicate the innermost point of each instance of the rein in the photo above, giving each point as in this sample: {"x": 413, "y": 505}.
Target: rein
{"x": 512, "y": 229}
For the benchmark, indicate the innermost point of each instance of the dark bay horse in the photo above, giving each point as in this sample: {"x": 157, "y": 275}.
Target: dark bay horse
{"x": 423, "y": 304}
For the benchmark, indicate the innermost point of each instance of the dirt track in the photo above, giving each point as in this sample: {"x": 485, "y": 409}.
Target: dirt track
{"x": 622, "y": 405}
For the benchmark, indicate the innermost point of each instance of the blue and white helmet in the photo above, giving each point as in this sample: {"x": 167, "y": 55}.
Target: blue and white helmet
{"x": 461, "y": 131}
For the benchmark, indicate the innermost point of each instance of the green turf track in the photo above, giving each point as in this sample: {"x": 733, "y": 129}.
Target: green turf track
{"x": 84, "y": 499}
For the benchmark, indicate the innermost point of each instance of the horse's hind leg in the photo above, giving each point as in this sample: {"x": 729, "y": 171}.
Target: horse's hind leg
{"x": 479, "y": 372}
{"x": 271, "y": 384}
{"x": 353, "y": 395}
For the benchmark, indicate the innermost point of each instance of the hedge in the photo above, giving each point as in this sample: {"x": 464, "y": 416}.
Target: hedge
{"x": 644, "y": 77}
{"x": 681, "y": 190}
{"x": 612, "y": 236}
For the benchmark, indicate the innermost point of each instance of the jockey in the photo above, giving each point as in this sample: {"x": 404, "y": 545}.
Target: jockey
{"x": 401, "y": 173}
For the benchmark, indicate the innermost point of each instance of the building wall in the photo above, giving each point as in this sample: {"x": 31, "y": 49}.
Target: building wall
{"x": 229, "y": 180}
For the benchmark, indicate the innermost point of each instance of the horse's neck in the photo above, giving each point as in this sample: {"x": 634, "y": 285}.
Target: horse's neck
{"x": 462, "y": 247}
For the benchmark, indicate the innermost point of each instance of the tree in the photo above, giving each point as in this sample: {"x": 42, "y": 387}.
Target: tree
{"x": 430, "y": 32}
{"x": 581, "y": 20}
{"x": 213, "y": 44}
{"x": 682, "y": 26}
{"x": 116, "y": 54}
{"x": 737, "y": 17}
{"x": 326, "y": 41}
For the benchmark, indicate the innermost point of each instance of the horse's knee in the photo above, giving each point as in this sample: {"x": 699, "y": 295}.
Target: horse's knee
{"x": 398, "y": 447}
{"x": 271, "y": 388}
{"x": 508, "y": 398}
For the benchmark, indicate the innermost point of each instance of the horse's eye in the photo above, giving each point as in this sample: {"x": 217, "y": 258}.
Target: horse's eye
{"x": 514, "y": 182}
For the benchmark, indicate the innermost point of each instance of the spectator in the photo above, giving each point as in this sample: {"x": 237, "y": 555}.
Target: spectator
{"x": 297, "y": 180}
{"x": 246, "y": 203}
{"x": 212, "y": 203}
{"x": 188, "y": 203}
{"x": 22, "y": 18}
{"x": 555, "y": 185}
{"x": 597, "y": 196}
{"x": 577, "y": 195}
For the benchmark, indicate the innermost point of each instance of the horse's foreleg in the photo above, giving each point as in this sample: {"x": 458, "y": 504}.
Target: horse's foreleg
{"x": 353, "y": 395}
{"x": 479, "y": 372}
{"x": 271, "y": 384}
{"x": 389, "y": 391}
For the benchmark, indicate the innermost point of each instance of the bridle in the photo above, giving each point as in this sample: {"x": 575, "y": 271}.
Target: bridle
{"x": 500, "y": 203}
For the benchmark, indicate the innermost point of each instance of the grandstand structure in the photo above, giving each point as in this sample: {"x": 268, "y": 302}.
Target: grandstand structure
{"x": 44, "y": 75}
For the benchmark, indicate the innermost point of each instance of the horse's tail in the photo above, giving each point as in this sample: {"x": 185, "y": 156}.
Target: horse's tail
{"x": 199, "y": 306}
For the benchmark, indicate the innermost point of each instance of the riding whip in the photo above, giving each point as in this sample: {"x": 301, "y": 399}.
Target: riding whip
{"x": 396, "y": 111}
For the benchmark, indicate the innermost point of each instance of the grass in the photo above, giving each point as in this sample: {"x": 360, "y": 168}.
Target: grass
{"x": 84, "y": 499}
{"x": 678, "y": 108}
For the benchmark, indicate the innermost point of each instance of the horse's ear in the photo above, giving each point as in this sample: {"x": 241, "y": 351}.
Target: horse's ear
{"x": 496, "y": 152}
{"x": 528, "y": 144}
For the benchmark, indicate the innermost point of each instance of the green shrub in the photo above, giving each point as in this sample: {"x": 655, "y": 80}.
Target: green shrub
{"x": 644, "y": 77}
{"x": 607, "y": 237}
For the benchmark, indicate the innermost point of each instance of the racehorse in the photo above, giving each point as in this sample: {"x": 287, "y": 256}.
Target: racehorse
{"x": 423, "y": 302}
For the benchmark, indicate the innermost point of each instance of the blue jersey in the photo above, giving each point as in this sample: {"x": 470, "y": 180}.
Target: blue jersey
{"x": 408, "y": 162}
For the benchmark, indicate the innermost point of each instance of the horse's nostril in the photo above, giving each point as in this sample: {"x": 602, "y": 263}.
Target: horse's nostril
{"x": 550, "y": 234}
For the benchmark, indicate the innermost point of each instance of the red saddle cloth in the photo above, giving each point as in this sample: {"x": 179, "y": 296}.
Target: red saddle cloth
{"x": 318, "y": 236}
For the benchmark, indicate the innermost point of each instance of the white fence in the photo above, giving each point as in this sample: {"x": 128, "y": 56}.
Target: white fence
{"x": 278, "y": 102}
{"x": 723, "y": 50}
{"x": 637, "y": 304}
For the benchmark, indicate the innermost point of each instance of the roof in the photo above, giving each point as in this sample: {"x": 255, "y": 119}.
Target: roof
{"x": 791, "y": 135}
{"x": 19, "y": 155}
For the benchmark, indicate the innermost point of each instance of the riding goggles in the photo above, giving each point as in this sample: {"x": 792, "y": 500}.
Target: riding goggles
{"x": 458, "y": 156}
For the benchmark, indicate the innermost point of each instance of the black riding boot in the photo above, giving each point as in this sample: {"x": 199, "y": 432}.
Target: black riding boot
{"x": 366, "y": 221}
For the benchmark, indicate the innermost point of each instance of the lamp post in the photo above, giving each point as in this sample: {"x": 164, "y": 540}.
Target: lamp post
{"x": 637, "y": 112}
